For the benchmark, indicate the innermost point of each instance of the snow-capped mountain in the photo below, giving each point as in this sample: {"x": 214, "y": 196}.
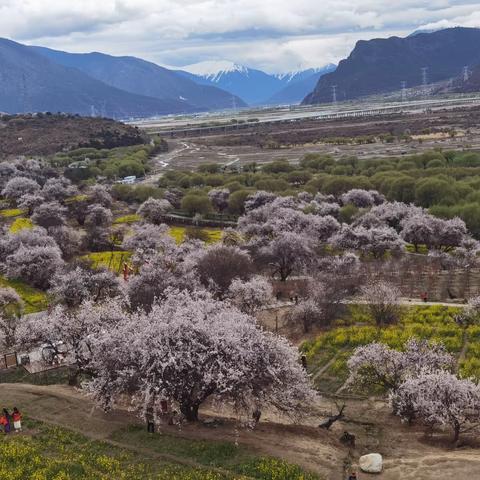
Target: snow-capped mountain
{"x": 255, "y": 86}
{"x": 301, "y": 74}
{"x": 297, "y": 83}
{"x": 215, "y": 70}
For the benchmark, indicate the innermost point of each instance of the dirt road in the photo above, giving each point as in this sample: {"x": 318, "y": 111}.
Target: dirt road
{"x": 408, "y": 454}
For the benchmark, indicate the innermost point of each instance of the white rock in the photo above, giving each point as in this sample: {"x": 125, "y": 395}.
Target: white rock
{"x": 371, "y": 463}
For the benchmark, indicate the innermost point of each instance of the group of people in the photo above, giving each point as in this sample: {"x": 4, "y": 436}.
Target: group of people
{"x": 11, "y": 421}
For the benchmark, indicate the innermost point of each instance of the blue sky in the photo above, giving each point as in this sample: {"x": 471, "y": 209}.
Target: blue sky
{"x": 275, "y": 35}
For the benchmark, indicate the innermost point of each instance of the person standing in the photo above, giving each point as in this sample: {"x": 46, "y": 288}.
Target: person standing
{"x": 17, "y": 420}
{"x": 7, "y": 419}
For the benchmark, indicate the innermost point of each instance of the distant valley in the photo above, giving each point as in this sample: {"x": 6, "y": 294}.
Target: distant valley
{"x": 255, "y": 86}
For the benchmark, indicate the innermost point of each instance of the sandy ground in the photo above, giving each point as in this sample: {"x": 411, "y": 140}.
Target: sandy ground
{"x": 408, "y": 454}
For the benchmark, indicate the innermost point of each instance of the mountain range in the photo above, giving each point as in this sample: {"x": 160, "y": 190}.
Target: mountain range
{"x": 34, "y": 78}
{"x": 140, "y": 77}
{"x": 381, "y": 65}
{"x": 30, "y": 82}
{"x": 255, "y": 86}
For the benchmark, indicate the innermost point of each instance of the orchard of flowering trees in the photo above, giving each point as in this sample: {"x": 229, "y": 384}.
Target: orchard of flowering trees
{"x": 185, "y": 349}
{"x": 421, "y": 383}
{"x": 180, "y": 324}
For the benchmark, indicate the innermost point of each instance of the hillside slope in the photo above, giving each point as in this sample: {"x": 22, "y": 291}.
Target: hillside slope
{"x": 380, "y": 65}
{"x": 48, "y": 134}
{"x": 138, "y": 76}
{"x": 29, "y": 82}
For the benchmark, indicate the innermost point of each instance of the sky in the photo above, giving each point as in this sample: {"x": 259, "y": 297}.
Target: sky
{"x": 273, "y": 35}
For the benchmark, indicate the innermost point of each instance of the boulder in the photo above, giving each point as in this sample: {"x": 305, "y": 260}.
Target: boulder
{"x": 371, "y": 463}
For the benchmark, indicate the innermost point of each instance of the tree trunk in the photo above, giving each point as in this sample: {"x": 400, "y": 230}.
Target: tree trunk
{"x": 190, "y": 410}
{"x": 456, "y": 434}
{"x": 73, "y": 374}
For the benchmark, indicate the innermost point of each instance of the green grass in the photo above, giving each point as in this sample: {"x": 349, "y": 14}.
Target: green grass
{"x": 45, "y": 452}
{"x": 435, "y": 323}
{"x": 132, "y": 218}
{"x": 57, "y": 376}
{"x": 35, "y": 300}
{"x": 20, "y": 223}
{"x": 112, "y": 260}
{"x": 11, "y": 212}
{"x": 236, "y": 459}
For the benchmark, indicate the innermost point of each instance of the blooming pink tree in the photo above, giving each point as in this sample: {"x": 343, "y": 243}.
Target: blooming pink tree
{"x": 68, "y": 239}
{"x": 73, "y": 287}
{"x": 99, "y": 194}
{"x": 258, "y": 199}
{"x": 306, "y": 312}
{"x": 35, "y": 265}
{"x": 218, "y": 265}
{"x": 98, "y": 217}
{"x": 158, "y": 276}
{"x": 50, "y": 214}
{"x": 19, "y": 186}
{"x": 382, "y": 302}
{"x": 219, "y": 198}
{"x": 147, "y": 240}
{"x": 11, "y": 307}
{"x": 375, "y": 241}
{"x": 192, "y": 348}
{"x": 35, "y": 237}
{"x": 418, "y": 229}
{"x": 29, "y": 202}
{"x": 439, "y": 399}
{"x": 74, "y": 329}
{"x": 359, "y": 198}
{"x": 251, "y": 295}
{"x": 377, "y": 366}
{"x": 154, "y": 211}
{"x": 287, "y": 254}
{"x": 58, "y": 189}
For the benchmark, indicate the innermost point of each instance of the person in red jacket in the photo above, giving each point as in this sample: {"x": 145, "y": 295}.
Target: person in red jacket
{"x": 17, "y": 420}
{"x": 5, "y": 420}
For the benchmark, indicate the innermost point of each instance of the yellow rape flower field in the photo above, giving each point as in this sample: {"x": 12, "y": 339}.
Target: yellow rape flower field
{"x": 44, "y": 452}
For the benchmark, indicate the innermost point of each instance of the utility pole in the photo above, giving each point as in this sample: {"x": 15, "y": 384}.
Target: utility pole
{"x": 404, "y": 90}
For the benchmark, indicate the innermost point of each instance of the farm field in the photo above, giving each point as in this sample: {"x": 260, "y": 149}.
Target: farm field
{"x": 107, "y": 447}
{"x": 329, "y": 351}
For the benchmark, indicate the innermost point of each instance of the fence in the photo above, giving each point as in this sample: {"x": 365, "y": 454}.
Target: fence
{"x": 8, "y": 360}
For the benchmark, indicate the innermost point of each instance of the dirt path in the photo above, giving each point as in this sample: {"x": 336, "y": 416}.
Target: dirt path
{"x": 407, "y": 453}
{"x": 305, "y": 445}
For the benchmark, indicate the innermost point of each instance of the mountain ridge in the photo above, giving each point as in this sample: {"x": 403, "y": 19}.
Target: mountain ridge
{"x": 380, "y": 65}
{"x": 29, "y": 82}
{"x": 138, "y": 76}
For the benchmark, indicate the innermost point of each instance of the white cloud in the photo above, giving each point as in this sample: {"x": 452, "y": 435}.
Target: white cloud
{"x": 271, "y": 34}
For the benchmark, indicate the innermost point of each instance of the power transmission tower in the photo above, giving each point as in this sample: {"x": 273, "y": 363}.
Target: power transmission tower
{"x": 404, "y": 91}
{"x": 234, "y": 103}
{"x": 334, "y": 94}
{"x": 466, "y": 73}
{"x": 424, "y": 80}
{"x": 92, "y": 110}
